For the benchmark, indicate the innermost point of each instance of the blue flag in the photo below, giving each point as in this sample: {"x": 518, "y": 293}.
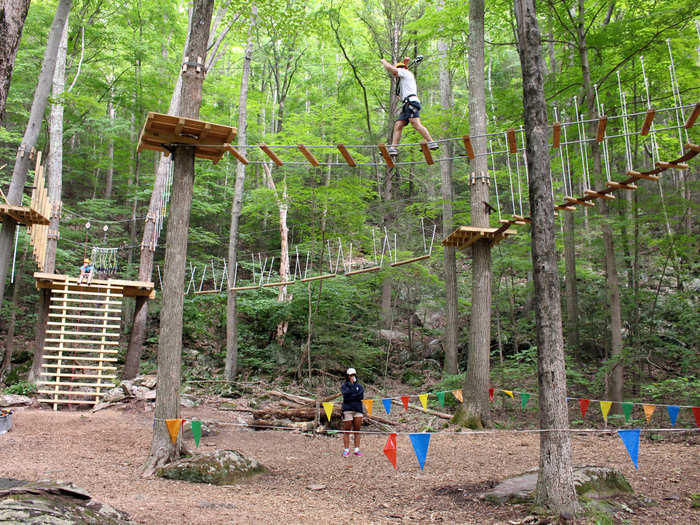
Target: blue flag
{"x": 420, "y": 444}
{"x": 673, "y": 413}
{"x": 631, "y": 440}
{"x": 387, "y": 404}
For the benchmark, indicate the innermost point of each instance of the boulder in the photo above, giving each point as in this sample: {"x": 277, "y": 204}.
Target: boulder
{"x": 149, "y": 381}
{"x": 221, "y": 467}
{"x": 590, "y": 482}
{"x": 393, "y": 335}
{"x": 53, "y": 503}
{"x": 114, "y": 395}
{"x": 14, "y": 400}
{"x": 188, "y": 401}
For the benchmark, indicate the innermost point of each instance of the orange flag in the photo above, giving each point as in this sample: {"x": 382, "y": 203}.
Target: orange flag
{"x": 173, "y": 428}
{"x": 458, "y": 395}
{"x": 423, "y": 400}
{"x": 368, "y": 406}
{"x": 648, "y": 411}
{"x": 605, "y": 408}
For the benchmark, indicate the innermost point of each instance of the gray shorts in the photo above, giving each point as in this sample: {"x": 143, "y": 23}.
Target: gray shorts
{"x": 349, "y": 415}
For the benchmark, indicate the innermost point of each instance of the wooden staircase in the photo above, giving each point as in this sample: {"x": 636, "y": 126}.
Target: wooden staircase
{"x": 81, "y": 345}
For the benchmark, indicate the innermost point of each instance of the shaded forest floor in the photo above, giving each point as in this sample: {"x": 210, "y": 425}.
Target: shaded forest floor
{"x": 309, "y": 482}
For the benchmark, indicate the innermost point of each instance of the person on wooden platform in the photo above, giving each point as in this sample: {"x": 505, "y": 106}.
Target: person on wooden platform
{"x": 86, "y": 272}
{"x": 353, "y": 394}
{"x": 406, "y": 90}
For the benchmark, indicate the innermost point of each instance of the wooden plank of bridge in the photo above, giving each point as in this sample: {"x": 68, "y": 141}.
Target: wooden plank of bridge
{"x": 426, "y": 152}
{"x": 346, "y": 155}
{"x": 385, "y": 154}
{"x": 273, "y": 156}
{"x": 670, "y": 165}
{"x": 600, "y": 133}
{"x": 556, "y": 135}
{"x": 512, "y": 144}
{"x": 309, "y": 156}
{"x": 620, "y": 186}
{"x": 598, "y": 195}
{"x": 318, "y": 277}
{"x": 468, "y": 147}
{"x": 408, "y": 261}
{"x": 693, "y": 116}
{"x": 648, "y": 119}
{"x": 639, "y": 175}
{"x": 363, "y": 270}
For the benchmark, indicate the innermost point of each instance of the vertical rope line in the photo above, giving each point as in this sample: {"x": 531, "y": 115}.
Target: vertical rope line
{"x": 676, "y": 86}
{"x": 568, "y": 158}
{"x": 510, "y": 178}
{"x": 495, "y": 182}
{"x": 582, "y": 151}
{"x": 625, "y": 124}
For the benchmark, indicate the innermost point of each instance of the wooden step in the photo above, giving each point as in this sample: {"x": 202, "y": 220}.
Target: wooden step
{"x": 66, "y": 383}
{"x": 89, "y": 334}
{"x": 81, "y": 341}
{"x": 86, "y": 367}
{"x": 77, "y": 316}
{"x": 114, "y": 292}
{"x": 67, "y": 401}
{"x": 84, "y": 325}
{"x": 81, "y": 309}
{"x": 69, "y": 392}
{"x": 70, "y": 358}
{"x": 88, "y": 376}
{"x": 83, "y": 301}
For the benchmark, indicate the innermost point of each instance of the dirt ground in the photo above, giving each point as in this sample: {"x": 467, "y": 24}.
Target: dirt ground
{"x": 309, "y": 482}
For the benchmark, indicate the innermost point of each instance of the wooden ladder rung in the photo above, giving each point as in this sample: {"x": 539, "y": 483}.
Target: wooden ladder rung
{"x": 597, "y": 195}
{"x": 76, "y": 358}
{"x": 88, "y": 376}
{"x": 640, "y": 175}
{"x": 85, "y": 325}
{"x": 83, "y": 341}
{"x": 670, "y": 165}
{"x": 67, "y": 401}
{"x": 85, "y": 367}
{"x": 692, "y": 147}
{"x": 83, "y": 301}
{"x": 71, "y": 383}
{"x": 620, "y": 186}
{"x": 69, "y": 393}
{"x": 579, "y": 201}
{"x": 81, "y": 309}
{"x": 87, "y": 334}
{"x": 76, "y": 316}
{"x": 426, "y": 153}
{"x": 387, "y": 158}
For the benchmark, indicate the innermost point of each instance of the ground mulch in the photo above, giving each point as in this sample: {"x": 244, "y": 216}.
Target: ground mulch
{"x": 309, "y": 482}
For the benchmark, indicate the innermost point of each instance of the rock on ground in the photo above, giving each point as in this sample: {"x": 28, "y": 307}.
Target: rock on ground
{"x": 221, "y": 467}
{"x": 53, "y": 503}
{"x": 14, "y": 400}
{"x": 590, "y": 481}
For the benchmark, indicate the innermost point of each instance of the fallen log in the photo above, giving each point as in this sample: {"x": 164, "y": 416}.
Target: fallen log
{"x": 302, "y": 400}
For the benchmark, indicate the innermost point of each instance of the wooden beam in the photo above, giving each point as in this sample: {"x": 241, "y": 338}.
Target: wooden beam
{"x": 693, "y": 116}
{"x": 692, "y": 147}
{"x": 387, "y": 158}
{"x": 318, "y": 277}
{"x": 239, "y": 288}
{"x": 646, "y": 126}
{"x": 426, "y": 152}
{"x": 205, "y": 131}
{"x": 602, "y": 124}
{"x": 521, "y": 218}
{"x": 363, "y": 270}
{"x": 619, "y": 186}
{"x": 278, "y": 284}
{"x": 565, "y": 207}
{"x": 639, "y": 175}
{"x": 206, "y": 292}
{"x": 556, "y": 134}
{"x": 669, "y": 165}
{"x": 468, "y": 147}
{"x": 408, "y": 261}
{"x": 597, "y": 195}
{"x": 512, "y": 144}
{"x": 579, "y": 201}
{"x": 346, "y": 155}
{"x": 270, "y": 154}
{"x": 309, "y": 156}
{"x": 233, "y": 151}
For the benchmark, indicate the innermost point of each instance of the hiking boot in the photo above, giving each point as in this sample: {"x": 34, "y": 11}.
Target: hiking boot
{"x": 392, "y": 150}
{"x": 433, "y": 145}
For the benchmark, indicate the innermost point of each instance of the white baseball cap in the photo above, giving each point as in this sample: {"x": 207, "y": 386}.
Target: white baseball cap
{"x": 351, "y": 371}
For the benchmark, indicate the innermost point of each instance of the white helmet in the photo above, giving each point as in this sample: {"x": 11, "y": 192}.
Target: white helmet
{"x": 351, "y": 371}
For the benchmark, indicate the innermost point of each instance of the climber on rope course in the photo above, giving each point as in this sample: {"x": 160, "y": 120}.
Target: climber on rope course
{"x": 86, "y": 271}
{"x": 406, "y": 90}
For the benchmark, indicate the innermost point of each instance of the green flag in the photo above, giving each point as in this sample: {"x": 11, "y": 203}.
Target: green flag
{"x": 196, "y": 432}
{"x": 441, "y": 398}
{"x": 627, "y": 410}
{"x": 524, "y": 398}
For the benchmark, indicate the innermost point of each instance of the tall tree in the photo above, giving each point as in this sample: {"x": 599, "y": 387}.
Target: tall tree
{"x": 231, "y": 363}
{"x": 163, "y": 450}
{"x": 555, "y": 485}
{"x": 12, "y": 16}
{"x": 29, "y": 140}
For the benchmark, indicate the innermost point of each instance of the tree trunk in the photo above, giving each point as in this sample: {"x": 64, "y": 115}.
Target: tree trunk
{"x": 12, "y": 15}
{"x": 110, "y": 144}
{"x": 555, "y": 485}
{"x": 156, "y": 207}
{"x": 24, "y": 157}
{"x": 474, "y": 412}
{"x": 231, "y": 364}
{"x": 163, "y": 450}
{"x": 450, "y": 259}
{"x": 571, "y": 295}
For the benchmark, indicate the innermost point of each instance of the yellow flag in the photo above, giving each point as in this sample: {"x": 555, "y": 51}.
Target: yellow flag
{"x": 368, "y": 406}
{"x": 423, "y": 400}
{"x": 458, "y": 395}
{"x": 605, "y": 408}
{"x": 328, "y": 407}
{"x": 648, "y": 411}
{"x": 173, "y": 428}
{"x": 508, "y": 393}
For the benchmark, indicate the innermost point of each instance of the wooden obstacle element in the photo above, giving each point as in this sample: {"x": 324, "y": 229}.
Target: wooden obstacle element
{"x": 671, "y": 166}
{"x": 39, "y": 209}
{"x": 692, "y": 147}
{"x": 346, "y": 155}
{"x": 512, "y": 144}
{"x": 97, "y": 288}
{"x": 468, "y": 147}
{"x": 239, "y": 156}
{"x": 409, "y": 261}
{"x": 600, "y": 132}
{"x": 387, "y": 158}
{"x": 273, "y": 156}
{"x": 363, "y": 270}
{"x": 241, "y": 288}
{"x": 693, "y": 116}
{"x": 620, "y": 185}
{"x": 572, "y": 200}
{"x": 80, "y": 350}
{"x": 309, "y": 156}
{"x": 597, "y": 195}
{"x": 556, "y": 135}
{"x": 637, "y": 175}
{"x": 162, "y": 132}
{"x": 278, "y": 284}
{"x": 465, "y": 236}
{"x": 318, "y": 277}
{"x": 648, "y": 119}
{"x": 426, "y": 152}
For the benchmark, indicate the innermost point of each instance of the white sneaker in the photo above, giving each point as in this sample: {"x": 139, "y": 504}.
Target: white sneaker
{"x": 433, "y": 145}
{"x": 392, "y": 150}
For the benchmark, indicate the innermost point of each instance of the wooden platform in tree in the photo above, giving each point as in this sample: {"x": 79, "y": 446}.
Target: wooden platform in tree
{"x": 97, "y": 287}
{"x": 24, "y": 215}
{"x": 161, "y": 132}
{"x": 465, "y": 236}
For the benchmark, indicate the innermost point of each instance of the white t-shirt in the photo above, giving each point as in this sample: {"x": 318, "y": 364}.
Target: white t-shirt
{"x": 407, "y": 83}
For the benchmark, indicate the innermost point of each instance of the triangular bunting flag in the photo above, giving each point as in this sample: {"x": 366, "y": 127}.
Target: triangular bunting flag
{"x": 524, "y": 398}
{"x": 368, "y": 406}
{"x": 509, "y": 393}
{"x": 196, "y": 431}
{"x": 491, "y": 390}
{"x": 605, "y": 409}
{"x": 648, "y": 411}
{"x": 404, "y": 400}
{"x": 696, "y": 413}
{"x": 390, "y": 449}
{"x": 420, "y": 442}
{"x": 173, "y": 428}
{"x": 441, "y": 398}
{"x": 673, "y": 413}
{"x": 631, "y": 440}
{"x": 387, "y": 404}
{"x": 627, "y": 410}
{"x": 583, "y": 404}
{"x": 328, "y": 407}
{"x": 423, "y": 400}
{"x": 458, "y": 395}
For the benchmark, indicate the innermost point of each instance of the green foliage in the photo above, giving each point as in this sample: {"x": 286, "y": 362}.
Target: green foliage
{"x": 679, "y": 390}
{"x": 22, "y": 388}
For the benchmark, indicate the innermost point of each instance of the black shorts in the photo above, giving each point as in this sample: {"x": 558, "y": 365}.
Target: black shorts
{"x": 410, "y": 110}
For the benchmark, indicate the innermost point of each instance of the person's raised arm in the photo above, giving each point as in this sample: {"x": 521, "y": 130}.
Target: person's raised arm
{"x": 389, "y": 67}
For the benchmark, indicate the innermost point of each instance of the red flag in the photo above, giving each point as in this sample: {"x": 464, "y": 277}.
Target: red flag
{"x": 696, "y": 413}
{"x": 491, "y": 390}
{"x": 404, "y": 400}
{"x": 390, "y": 449}
{"x": 583, "y": 403}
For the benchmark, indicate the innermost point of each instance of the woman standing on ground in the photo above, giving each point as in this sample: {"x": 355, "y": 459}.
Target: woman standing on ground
{"x": 353, "y": 394}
